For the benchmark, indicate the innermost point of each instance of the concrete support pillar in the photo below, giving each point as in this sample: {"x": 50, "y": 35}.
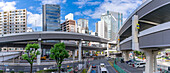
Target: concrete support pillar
{"x": 80, "y": 47}
{"x": 135, "y": 43}
{"x": 155, "y": 64}
{"x": 126, "y": 55}
{"x": 149, "y": 61}
{"x": 73, "y": 53}
{"x": 39, "y": 56}
{"x": 107, "y": 49}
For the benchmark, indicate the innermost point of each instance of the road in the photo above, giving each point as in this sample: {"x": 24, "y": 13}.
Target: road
{"x": 130, "y": 69}
{"x": 108, "y": 66}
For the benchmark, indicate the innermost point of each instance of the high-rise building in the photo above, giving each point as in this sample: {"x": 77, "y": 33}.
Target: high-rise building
{"x": 114, "y": 21}
{"x": 82, "y": 26}
{"x": 101, "y": 29}
{"x": 69, "y": 25}
{"x": 51, "y": 17}
{"x": 69, "y": 17}
{"x": 14, "y": 21}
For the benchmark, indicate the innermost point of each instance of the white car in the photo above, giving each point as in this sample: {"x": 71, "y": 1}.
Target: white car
{"x": 102, "y": 65}
{"x": 104, "y": 70}
{"x": 140, "y": 64}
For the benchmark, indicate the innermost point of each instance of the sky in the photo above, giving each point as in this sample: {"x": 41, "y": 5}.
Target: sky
{"x": 88, "y": 9}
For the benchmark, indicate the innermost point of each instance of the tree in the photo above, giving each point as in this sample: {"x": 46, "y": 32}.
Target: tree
{"x": 30, "y": 53}
{"x": 58, "y": 53}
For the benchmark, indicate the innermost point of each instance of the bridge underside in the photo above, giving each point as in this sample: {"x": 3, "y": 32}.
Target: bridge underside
{"x": 149, "y": 16}
{"x": 49, "y": 45}
{"x": 153, "y": 38}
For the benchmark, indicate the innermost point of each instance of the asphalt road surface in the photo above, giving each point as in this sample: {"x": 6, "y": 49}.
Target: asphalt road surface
{"x": 130, "y": 69}
{"x": 108, "y": 66}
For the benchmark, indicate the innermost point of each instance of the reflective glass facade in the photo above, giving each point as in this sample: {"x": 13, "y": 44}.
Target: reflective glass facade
{"x": 114, "y": 22}
{"x": 51, "y": 17}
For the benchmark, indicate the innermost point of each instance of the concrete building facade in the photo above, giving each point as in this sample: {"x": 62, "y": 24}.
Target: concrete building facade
{"x": 68, "y": 26}
{"x": 82, "y": 26}
{"x": 14, "y": 21}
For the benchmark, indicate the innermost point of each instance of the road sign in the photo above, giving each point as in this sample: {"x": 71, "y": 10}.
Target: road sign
{"x": 138, "y": 26}
{"x": 6, "y": 65}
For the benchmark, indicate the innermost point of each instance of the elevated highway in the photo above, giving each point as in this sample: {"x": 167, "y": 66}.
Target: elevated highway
{"x": 147, "y": 29}
{"x": 21, "y": 39}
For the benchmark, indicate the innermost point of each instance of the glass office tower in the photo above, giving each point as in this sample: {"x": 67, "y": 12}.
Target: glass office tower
{"x": 51, "y": 17}
{"x": 114, "y": 21}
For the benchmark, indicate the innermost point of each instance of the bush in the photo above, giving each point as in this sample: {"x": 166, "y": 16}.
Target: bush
{"x": 1, "y": 71}
{"x": 12, "y": 72}
{"x": 84, "y": 71}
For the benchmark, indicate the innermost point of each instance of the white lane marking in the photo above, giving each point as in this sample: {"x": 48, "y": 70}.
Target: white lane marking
{"x": 98, "y": 70}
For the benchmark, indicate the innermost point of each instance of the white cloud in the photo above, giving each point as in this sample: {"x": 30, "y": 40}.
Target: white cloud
{"x": 93, "y": 3}
{"x": 7, "y": 6}
{"x": 31, "y": 7}
{"x": 39, "y": 9}
{"x": 82, "y": 3}
{"x": 78, "y": 13}
{"x": 52, "y": 1}
{"x": 34, "y": 17}
{"x": 122, "y": 6}
{"x": 87, "y": 12}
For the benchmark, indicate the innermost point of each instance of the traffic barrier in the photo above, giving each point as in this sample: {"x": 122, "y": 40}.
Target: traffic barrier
{"x": 120, "y": 70}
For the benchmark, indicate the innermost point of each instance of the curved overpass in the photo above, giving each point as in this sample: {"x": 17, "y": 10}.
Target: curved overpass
{"x": 153, "y": 38}
{"x": 50, "y": 35}
{"x": 151, "y": 13}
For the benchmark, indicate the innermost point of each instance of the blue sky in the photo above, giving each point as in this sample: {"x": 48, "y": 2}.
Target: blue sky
{"x": 88, "y": 9}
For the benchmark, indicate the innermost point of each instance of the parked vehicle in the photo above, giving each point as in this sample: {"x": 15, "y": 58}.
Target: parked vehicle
{"x": 140, "y": 64}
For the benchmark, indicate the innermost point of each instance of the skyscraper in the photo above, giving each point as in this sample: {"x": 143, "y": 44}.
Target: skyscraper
{"x": 114, "y": 21}
{"x": 51, "y": 17}
{"x": 82, "y": 26}
{"x": 14, "y": 21}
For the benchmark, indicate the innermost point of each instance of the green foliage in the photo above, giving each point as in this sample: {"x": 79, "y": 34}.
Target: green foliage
{"x": 84, "y": 71}
{"x": 138, "y": 53}
{"x": 12, "y": 72}
{"x": 1, "y": 71}
{"x": 58, "y": 53}
{"x": 31, "y": 52}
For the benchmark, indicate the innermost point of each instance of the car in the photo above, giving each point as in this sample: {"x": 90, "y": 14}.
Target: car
{"x": 108, "y": 58}
{"x": 102, "y": 65}
{"x": 93, "y": 71}
{"x": 140, "y": 64}
{"x": 93, "y": 66}
{"x": 103, "y": 70}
